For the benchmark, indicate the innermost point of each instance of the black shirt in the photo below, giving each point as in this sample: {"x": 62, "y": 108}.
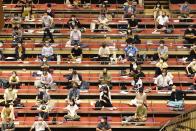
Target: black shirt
{"x": 188, "y": 32}
{"x": 132, "y": 23}
{"x": 76, "y": 52}
{"x": 178, "y": 95}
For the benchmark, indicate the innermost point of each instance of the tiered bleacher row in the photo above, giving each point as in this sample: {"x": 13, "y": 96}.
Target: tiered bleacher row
{"x": 89, "y": 68}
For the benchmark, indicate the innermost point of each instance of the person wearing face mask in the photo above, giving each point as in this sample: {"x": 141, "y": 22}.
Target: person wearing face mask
{"x": 47, "y": 22}
{"x": 176, "y": 99}
{"x": 104, "y": 54}
{"x": 10, "y": 97}
{"x": 7, "y": 112}
{"x": 47, "y": 51}
{"x": 140, "y": 98}
{"x": 191, "y": 68}
{"x": 40, "y": 125}
{"x": 14, "y": 80}
{"x": 133, "y": 23}
{"x": 130, "y": 51}
{"x": 43, "y": 109}
{"x": 189, "y": 36}
{"x": 76, "y": 53}
{"x": 103, "y": 125}
{"x": 160, "y": 66}
{"x": 162, "y": 52}
{"x": 49, "y": 10}
{"x": 72, "y": 111}
{"x": 73, "y": 22}
{"x": 75, "y": 36}
{"x": 136, "y": 84}
{"x": 103, "y": 22}
{"x": 163, "y": 81}
{"x": 74, "y": 77}
{"x": 105, "y": 79}
{"x": 20, "y": 51}
{"x": 184, "y": 10}
{"x": 161, "y": 21}
{"x": 129, "y": 9}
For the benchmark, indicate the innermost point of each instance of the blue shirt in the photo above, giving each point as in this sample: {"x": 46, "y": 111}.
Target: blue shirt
{"x": 130, "y": 50}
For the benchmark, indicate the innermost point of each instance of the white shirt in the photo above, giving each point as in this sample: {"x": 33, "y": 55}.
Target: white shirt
{"x": 10, "y": 95}
{"x": 162, "y": 20}
{"x": 40, "y": 125}
{"x": 104, "y": 52}
{"x": 47, "y": 21}
{"x": 163, "y": 81}
{"x": 75, "y": 35}
{"x": 47, "y": 79}
{"x": 72, "y": 110}
{"x": 47, "y": 51}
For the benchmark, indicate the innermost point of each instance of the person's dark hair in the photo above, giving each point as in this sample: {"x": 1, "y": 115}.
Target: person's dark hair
{"x": 141, "y": 90}
{"x": 128, "y": 41}
{"x": 7, "y": 105}
{"x": 103, "y": 45}
{"x": 73, "y": 16}
{"x": 158, "y": 2}
{"x": 105, "y": 118}
{"x": 14, "y": 72}
{"x": 49, "y": 5}
{"x": 161, "y": 42}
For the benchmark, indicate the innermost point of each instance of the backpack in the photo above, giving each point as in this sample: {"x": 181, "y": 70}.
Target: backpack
{"x": 4, "y": 83}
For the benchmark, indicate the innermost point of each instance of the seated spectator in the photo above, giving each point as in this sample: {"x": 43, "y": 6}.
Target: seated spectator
{"x": 76, "y": 53}
{"x": 30, "y": 18}
{"x": 49, "y": 10}
{"x": 184, "y": 10}
{"x": 163, "y": 81}
{"x": 17, "y": 36}
{"x": 160, "y": 66}
{"x": 16, "y": 21}
{"x": 46, "y": 81}
{"x": 162, "y": 21}
{"x": 1, "y": 56}
{"x": 131, "y": 37}
{"x": 26, "y": 10}
{"x": 42, "y": 95}
{"x": 75, "y": 36}
{"x": 136, "y": 84}
{"x": 74, "y": 77}
{"x": 176, "y": 99}
{"x": 74, "y": 94}
{"x": 73, "y": 22}
{"x": 130, "y": 51}
{"x": 192, "y": 54}
{"x": 8, "y": 125}
{"x": 47, "y": 23}
{"x": 14, "y": 80}
{"x": 104, "y": 53}
{"x": 44, "y": 64}
{"x": 129, "y": 9}
{"x": 103, "y": 22}
{"x": 105, "y": 99}
{"x": 162, "y": 51}
{"x": 133, "y": 23}
{"x": 72, "y": 111}
{"x": 103, "y": 125}
{"x": 105, "y": 79}
{"x": 10, "y": 97}
{"x": 20, "y": 52}
{"x": 47, "y": 51}
{"x": 135, "y": 69}
{"x": 191, "y": 68}
{"x": 157, "y": 10}
{"x": 43, "y": 109}
{"x": 189, "y": 36}
{"x": 169, "y": 74}
{"x": 7, "y": 112}
{"x": 139, "y": 98}
{"x": 40, "y": 125}
{"x": 139, "y": 116}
